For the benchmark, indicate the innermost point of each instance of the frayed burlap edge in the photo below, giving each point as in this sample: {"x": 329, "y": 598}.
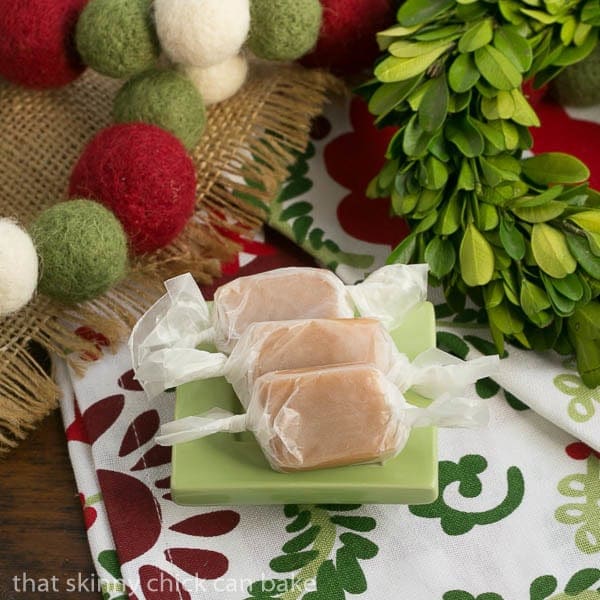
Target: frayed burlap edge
{"x": 241, "y": 161}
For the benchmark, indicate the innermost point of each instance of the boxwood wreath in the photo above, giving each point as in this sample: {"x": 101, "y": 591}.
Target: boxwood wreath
{"x": 519, "y": 236}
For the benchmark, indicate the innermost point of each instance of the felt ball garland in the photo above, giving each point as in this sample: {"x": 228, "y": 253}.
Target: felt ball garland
{"x": 133, "y": 188}
{"x": 37, "y": 49}
{"x": 83, "y": 250}
{"x": 144, "y": 175}
{"x": 117, "y": 38}
{"x": 202, "y": 33}
{"x": 18, "y": 267}
{"x": 284, "y": 29}
{"x": 165, "y": 98}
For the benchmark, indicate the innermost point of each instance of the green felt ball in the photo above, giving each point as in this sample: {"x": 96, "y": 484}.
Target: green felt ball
{"x": 284, "y": 29}
{"x": 82, "y": 249}
{"x": 117, "y": 37}
{"x": 579, "y": 84}
{"x": 165, "y": 98}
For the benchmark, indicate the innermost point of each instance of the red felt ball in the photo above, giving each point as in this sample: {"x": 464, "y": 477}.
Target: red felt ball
{"x": 347, "y": 42}
{"x": 144, "y": 175}
{"x": 37, "y": 46}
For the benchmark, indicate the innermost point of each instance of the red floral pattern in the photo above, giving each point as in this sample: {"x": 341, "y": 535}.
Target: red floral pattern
{"x": 353, "y": 159}
{"x": 133, "y": 512}
{"x": 580, "y": 451}
{"x": 210, "y": 524}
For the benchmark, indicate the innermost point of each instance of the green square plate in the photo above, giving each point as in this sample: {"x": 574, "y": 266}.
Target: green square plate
{"x": 231, "y": 469}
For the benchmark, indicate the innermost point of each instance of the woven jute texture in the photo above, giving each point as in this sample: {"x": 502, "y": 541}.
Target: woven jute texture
{"x": 241, "y": 162}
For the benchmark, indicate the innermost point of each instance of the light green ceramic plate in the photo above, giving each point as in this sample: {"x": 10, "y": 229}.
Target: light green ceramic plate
{"x": 231, "y": 469}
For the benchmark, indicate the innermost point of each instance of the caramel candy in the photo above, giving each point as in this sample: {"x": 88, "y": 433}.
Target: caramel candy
{"x": 279, "y": 295}
{"x": 278, "y": 346}
{"x": 331, "y": 417}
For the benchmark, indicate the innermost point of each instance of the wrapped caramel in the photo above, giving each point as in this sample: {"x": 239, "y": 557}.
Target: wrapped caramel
{"x": 183, "y": 319}
{"x": 328, "y": 417}
{"x": 283, "y": 345}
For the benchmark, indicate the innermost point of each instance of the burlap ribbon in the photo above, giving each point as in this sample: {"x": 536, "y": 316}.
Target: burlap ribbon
{"x": 241, "y": 162}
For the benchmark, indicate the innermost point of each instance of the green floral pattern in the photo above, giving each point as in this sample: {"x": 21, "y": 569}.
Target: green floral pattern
{"x": 293, "y": 218}
{"x": 319, "y": 573}
{"x": 586, "y": 513}
{"x": 581, "y": 586}
{"x": 583, "y": 405}
{"x": 466, "y": 472}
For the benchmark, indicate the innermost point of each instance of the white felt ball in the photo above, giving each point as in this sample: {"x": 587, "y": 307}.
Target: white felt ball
{"x": 219, "y": 82}
{"x": 18, "y": 267}
{"x": 201, "y": 33}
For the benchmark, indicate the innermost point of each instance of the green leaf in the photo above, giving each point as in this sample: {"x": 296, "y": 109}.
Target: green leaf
{"x": 408, "y": 49}
{"x": 299, "y": 523}
{"x": 361, "y": 547}
{"x": 523, "y": 113}
{"x": 460, "y": 102}
{"x": 389, "y": 95}
{"x": 588, "y": 220}
{"x": 580, "y": 249}
{"x": 575, "y": 54}
{"x": 555, "y": 167}
{"x": 428, "y": 34}
{"x": 551, "y": 252}
{"x": 463, "y": 74}
{"x": 348, "y": 569}
{"x": 291, "y": 510}
{"x": 562, "y": 305}
{"x": 396, "y": 31}
{"x": 466, "y": 178}
{"x": 533, "y": 301}
{"x": 465, "y": 136}
{"x": 476, "y": 258}
{"x": 416, "y": 139}
{"x": 512, "y": 240}
{"x": 404, "y": 252}
{"x": 451, "y": 343}
{"x": 484, "y": 346}
{"x": 404, "y": 204}
{"x": 428, "y": 200}
{"x": 427, "y": 222}
{"x": 492, "y": 133}
{"x": 293, "y": 562}
{"x": 450, "y": 217}
{"x": 542, "y": 587}
{"x": 497, "y": 69}
{"x": 437, "y": 174}
{"x": 296, "y": 210}
{"x": 570, "y": 287}
{"x": 398, "y": 69}
{"x": 488, "y": 217}
{"x": 441, "y": 256}
{"x": 505, "y": 104}
{"x": 594, "y": 242}
{"x": 539, "y": 199}
{"x": 354, "y": 523}
{"x": 540, "y": 214}
{"x": 476, "y": 36}
{"x": 305, "y": 539}
{"x": 487, "y": 388}
{"x": 433, "y": 109}
{"x": 415, "y": 12}
{"x": 505, "y": 319}
{"x": 110, "y": 561}
{"x": 514, "y": 402}
{"x": 514, "y": 46}
{"x": 493, "y": 294}
{"x": 582, "y": 580}
{"x": 301, "y": 227}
